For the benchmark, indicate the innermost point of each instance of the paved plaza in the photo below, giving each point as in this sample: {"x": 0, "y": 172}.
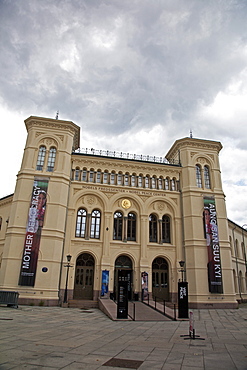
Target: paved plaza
{"x": 65, "y": 338}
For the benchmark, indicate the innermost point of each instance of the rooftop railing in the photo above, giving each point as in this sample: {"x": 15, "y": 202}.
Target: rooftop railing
{"x": 122, "y": 155}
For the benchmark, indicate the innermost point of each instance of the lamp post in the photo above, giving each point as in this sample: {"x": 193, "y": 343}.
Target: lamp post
{"x": 65, "y": 299}
{"x": 244, "y": 227}
{"x": 182, "y": 263}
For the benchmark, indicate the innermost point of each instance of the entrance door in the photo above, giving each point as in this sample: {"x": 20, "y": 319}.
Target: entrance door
{"x": 123, "y": 272}
{"x": 84, "y": 275}
{"x": 160, "y": 280}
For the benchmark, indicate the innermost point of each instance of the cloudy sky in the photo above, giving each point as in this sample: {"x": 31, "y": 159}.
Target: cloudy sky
{"x": 135, "y": 75}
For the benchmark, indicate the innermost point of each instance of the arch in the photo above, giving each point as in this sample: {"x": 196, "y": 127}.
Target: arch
{"x": 160, "y": 279}
{"x": 84, "y": 276}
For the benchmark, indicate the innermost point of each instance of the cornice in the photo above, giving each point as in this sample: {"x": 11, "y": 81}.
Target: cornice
{"x": 6, "y": 200}
{"x": 49, "y": 123}
{"x": 117, "y": 164}
{"x": 191, "y": 143}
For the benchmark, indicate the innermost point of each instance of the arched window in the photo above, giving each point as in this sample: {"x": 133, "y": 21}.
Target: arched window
{"x": 113, "y": 176}
{"x": 133, "y": 180}
{"x": 166, "y": 235}
{"x": 81, "y": 223}
{"x": 160, "y": 183}
{"x": 95, "y": 224}
{"x": 77, "y": 174}
{"x": 131, "y": 228}
{"x": 173, "y": 183}
{"x": 207, "y": 177}
{"x": 198, "y": 176}
{"x": 91, "y": 176}
{"x": 98, "y": 177}
{"x": 126, "y": 180}
{"x": 120, "y": 179}
{"x": 118, "y": 226}
{"x": 41, "y": 158}
{"x": 140, "y": 181}
{"x": 153, "y": 228}
{"x": 147, "y": 178}
{"x": 153, "y": 182}
{"x": 167, "y": 183}
{"x": 51, "y": 159}
{"x": 84, "y": 175}
{"x": 105, "y": 177}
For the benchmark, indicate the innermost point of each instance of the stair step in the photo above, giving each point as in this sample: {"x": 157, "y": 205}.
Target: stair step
{"x": 79, "y": 303}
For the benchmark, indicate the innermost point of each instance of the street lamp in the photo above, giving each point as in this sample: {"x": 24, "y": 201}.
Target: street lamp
{"x": 182, "y": 263}
{"x": 65, "y": 299}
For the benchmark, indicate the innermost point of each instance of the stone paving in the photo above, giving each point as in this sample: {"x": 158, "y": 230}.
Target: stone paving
{"x": 62, "y": 338}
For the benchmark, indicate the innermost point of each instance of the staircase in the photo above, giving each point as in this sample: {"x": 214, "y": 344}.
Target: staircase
{"x": 85, "y": 304}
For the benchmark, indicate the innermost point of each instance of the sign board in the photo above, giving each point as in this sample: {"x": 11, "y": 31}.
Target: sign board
{"x": 122, "y": 302}
{"x": 183, "y": 306}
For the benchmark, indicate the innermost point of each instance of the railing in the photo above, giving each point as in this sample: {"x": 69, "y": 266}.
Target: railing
{"x": 9, "y": 298}
{"x": 122, "y": 155}
{"x": 172, "y": 317}
{"x": 132, "y": 317}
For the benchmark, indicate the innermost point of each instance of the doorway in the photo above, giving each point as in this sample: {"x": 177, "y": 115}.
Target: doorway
{"x": 84, "y": 277}
{"x": 160, "y": 279}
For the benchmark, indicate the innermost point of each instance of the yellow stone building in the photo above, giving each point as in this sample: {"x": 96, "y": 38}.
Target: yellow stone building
{"x": 119, "y": 217}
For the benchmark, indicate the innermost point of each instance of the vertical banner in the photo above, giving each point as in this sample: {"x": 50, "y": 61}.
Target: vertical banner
{"x": 33, "y": 233}
{"x": 105, "y": 282}
{"x": 183, "y": 306}
{"x": 144, "y": 279}
{"x": 211, "y": 232}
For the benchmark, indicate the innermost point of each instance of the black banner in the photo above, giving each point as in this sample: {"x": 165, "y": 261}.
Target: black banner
{"x": 33, "y": 233}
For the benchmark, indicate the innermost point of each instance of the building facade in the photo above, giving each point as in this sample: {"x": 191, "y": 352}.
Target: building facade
{"x": 119, "y": 217}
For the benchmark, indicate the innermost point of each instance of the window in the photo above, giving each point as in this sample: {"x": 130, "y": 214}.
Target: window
{"x": 166, "y": 237}
{"x": 153, "y": 182}
{"x": 207, "y": 177}
{"x": 81, "y": 223}
{"x": 119, "y": 179}
{"x": 126, "y": 180}
{"x": 131, "y": 228}
{"x": 41, "y": 158}
{"x": 77, "y": 174}
{"x": 167, "y": 183}
{"x": 160, "y": 183}
{"x": 84, "y": 175}
{"x": 140, "y": 181}
{"x": 105, "y": 178}
{"x": 198, "y": 176}
{"x": 95, "y": 224}
{"x": 153, "y": 228}
{"x": 1, "y": 220}
{"x": 146, "y": 182}
{"x": 118, "y": 226}
{"x": 51, "y": 159}
{"x": 112, "y": 178}
{"x": 98, "y": 177}
{"x": 173, "y": 183}
{"x": 133, "y": 180}
{"x": 91, "y": 176}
